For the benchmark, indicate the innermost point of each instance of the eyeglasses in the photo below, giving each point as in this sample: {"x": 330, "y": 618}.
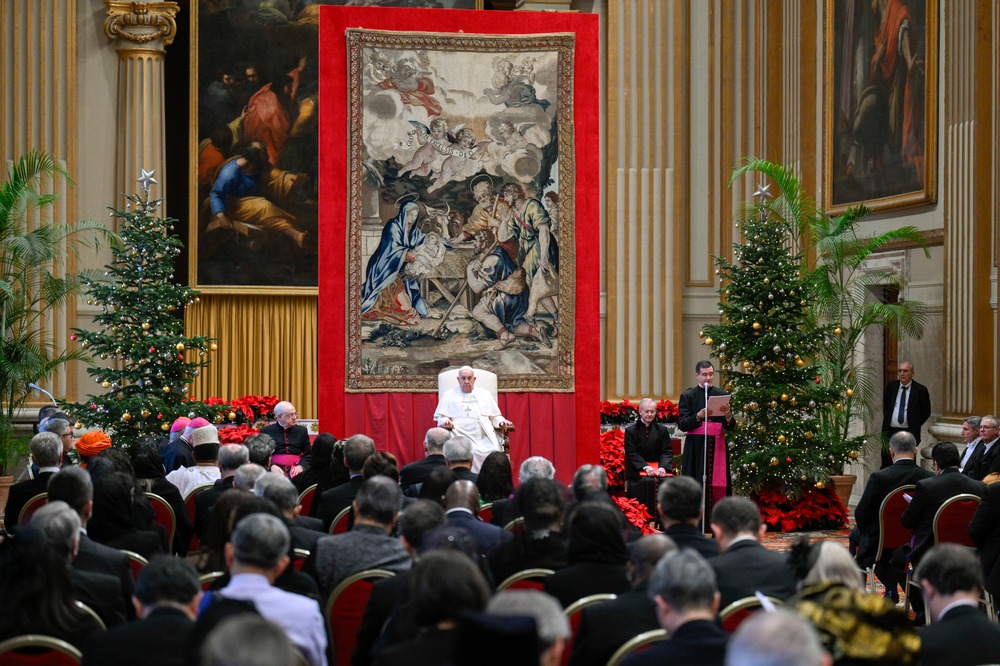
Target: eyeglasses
{"x": 292, "y": 414}
{"x": 66, "y": 434}
{"x": 988, "y": 427}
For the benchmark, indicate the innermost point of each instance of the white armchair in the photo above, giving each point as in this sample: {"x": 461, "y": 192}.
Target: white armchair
{"x": 448, "y": 379}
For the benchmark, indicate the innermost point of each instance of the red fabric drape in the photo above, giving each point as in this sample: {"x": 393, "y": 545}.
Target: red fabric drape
{"x": 563, "y": 427}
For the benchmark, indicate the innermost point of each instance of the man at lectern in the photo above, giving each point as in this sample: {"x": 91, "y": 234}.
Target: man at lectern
{"x": 699, "y": 446}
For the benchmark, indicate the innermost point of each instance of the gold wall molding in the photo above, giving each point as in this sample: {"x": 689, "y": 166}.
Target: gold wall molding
{"x": 141, "y": 22}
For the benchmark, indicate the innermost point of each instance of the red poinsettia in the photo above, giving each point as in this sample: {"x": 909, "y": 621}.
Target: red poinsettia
{"x": 236, "y": 434}
{"x": 255, "y": 407}
{"x": 613, "y": 457}
{"x": 636, "y": 513}
{"x": 814, "y": 509}
{"x": 667, "y": 411}
{"x": 624, "y": 412}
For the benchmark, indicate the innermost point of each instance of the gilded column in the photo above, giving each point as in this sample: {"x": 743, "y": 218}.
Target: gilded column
{"x": 141, "y": 31}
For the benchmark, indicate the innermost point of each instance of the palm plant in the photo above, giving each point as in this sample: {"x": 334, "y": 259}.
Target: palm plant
{"x": 32, "y": 250}
{"x": 844, "y": 291}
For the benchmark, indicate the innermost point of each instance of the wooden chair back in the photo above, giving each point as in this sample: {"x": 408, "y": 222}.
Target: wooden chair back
{"x": 38, "y": 650}
{"x": 527, "y": 579}
{"x": 344, "y": 609}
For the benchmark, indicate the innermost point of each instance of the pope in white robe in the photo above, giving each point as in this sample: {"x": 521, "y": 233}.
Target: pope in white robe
{"x": 474, "y": 413}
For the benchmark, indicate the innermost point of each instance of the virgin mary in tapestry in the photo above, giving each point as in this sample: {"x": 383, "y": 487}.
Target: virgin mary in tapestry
{"x": 460, "y": 214}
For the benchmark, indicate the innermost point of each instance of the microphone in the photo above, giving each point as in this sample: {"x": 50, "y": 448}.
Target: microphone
{"x": 38, "y": 388}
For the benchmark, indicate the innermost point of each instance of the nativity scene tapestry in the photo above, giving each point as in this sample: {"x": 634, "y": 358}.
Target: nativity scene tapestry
{"x": 460, "y": 238}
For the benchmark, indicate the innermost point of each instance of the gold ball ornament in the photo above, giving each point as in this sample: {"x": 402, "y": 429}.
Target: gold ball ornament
{"x": 853, "y": 455}
{"x": 218, "y": 418}
{"x": 165, "y": 427}
{"x": 166, "y": 389}
{"x": 820, "y": 485}
{"x": 105, "y": 384}
{"x": 77, "y": 425}
{"x": 756, "y": 326}
{"x": 232, "y": 416}
{"x": 708, "y": 341}
{"x": 126, "y": 417}
{"x": 145, "y": 325}
{"x": 784, "y": 397}
{"x": 774, "y": 462}
{"x": 849, "y": 393}
{"x": 179, "y": 346}
{"x": 808, "y": 434}
{"x": 773, "y": 404}
{"x": 799, "y": 362}
{"x": 781, "y": 439}
{"x": 837, "y": 331}
{"x": 701, "y": 334}
{"x": 767, "y": 280}
{"x": 213, "y": 346}
{"x": 145, "y": 413}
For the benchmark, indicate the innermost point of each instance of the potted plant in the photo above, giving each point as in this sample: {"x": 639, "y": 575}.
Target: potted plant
{"x": 844, "y": 294}
{"x": 32, "y": 250}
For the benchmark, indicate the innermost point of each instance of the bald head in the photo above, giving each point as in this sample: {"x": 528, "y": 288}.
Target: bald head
{"x": 462, "y": 494}
{"x": 434, "y": 440}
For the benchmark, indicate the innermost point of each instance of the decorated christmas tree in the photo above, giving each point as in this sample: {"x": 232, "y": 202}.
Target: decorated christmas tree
{"x": 766, "y": 343}
{"x": 149, "y": 361}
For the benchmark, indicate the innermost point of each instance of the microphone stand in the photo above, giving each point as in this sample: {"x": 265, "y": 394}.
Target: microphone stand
{"x": 36, "y": 387}
{"x": 704, "y": 462}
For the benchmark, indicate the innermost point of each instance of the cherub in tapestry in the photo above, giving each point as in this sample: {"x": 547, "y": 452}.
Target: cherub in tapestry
{"x": 460, "y": 154}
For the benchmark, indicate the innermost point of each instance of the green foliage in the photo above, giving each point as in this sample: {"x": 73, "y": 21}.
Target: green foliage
{"x": 32, "y": 252}
{"x": 768, "y": 338}
{"x": 843, "y": 292}
{"x": 142, "y": 335}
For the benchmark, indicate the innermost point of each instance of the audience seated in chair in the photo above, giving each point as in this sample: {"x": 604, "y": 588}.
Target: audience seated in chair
{"x": 951, "y": 581}
{"x": 551, "y": 625}
{"x": 533, "y": 467}
{"x": 461, "y": 503}
{"x": 248, "y": 640}
{"x": 230, "y": 458}
{"x": 443, "y": 584}
{"x": 458, "y": 457}
{"x": 368, "y": 545}
{"x": 542, "y": 544}
{"x": 113, "y": 522}
{"x": 496, "y": 479}
{"x": 206, "y": 468}
{"x": 683, "y": 588}
{"x": 166, "y": 600}
{"x": 679, "y": 506}
{"x": 46, "y": 452}
{"x": 256, "y": 555}
{"x": 327, "y": 469}
{"x": 357, "y": 449}
{"x": 607, "y": 626}
{"x": 855, "y": 626}
{"x": 416, "y": 472}
{"x": 148, "y": 469}
{"x": 745, "y": 566}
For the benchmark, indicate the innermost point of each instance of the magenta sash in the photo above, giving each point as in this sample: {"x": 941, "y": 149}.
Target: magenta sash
{"x": 719, "y": 480}
{"x": 286, "y": 459}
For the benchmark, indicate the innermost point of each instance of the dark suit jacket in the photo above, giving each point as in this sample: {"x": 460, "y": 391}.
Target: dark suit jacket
{"x": 336, "y": 499}
{"x": 918, "y": 406}
{"x": 293, "y": 441}
{"x": 985, "y": 532}
{"x": 205, "y": 500}
{"x": 465, "y": 474}
{"x": 689, "y": 536}
{"x": 418, "y": 471}
{"x": 525, "y": 552}
{"x": 928, "y": 497}
{"x": 901, "y": 473}
{"x": 158, "y": 640}
{"x": 606, "y": 626}
{"x": 693, "y": 401}
{"x": 642, "y": 447}
{"x": 102, "y": 592}
{"x": 19, "y": 495}
{"x": 486, "y": 535}
{"x": 177, "y": 454}
{"x": 747, "y": 567}
{"x": 93, "y": 556}
{"x": 963, "y": 637}
{"x": 584, "y": 579}
{"x": 697, "y": 642}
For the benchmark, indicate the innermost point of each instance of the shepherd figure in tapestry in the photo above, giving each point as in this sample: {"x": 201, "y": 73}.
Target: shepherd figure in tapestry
{"x": 461, "y": 167}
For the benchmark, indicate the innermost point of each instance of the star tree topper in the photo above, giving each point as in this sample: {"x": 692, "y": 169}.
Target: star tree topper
{"x": 146, "y": 178}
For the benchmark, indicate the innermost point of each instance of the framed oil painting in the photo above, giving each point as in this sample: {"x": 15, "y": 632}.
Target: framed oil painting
{"x": 880, "y": 113}
{"x": 254, "y": 109}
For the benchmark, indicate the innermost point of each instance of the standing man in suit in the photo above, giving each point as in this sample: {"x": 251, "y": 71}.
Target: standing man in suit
{"x": 292, "y": 450}
{"x": 902, "y": 472}
{"x": 952, "y": 583}
{"x": 970, "y": 435}
{"x": 983, "y": 457}
{"x": 46, "y": 452}
{"x": 744, "y": 566}
{"x": 166, "y": 600}
{"x": 647, "y": 441}
{"x": 906, "y": 404}
{"x": 693, "y": 413}
{"x": 417, "y": 471}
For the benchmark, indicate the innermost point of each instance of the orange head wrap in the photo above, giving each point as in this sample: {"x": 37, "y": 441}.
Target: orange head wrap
{"x": 93, "y": 443}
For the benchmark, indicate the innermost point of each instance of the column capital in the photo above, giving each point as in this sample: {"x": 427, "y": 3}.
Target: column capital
{"x": 140, "y": 23}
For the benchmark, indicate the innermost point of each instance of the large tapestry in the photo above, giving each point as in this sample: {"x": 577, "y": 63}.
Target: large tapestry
{"x": 461, "y": 226}
{"x": 459, "y": 174}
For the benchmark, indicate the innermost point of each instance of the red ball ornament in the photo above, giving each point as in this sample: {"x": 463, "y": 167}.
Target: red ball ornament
{"x": 73, "y": 337}
{"x": 152, "y": 350}
{"x": 818, "y": 379}
{"x": 93, "y": 405}
{"x": 180, "y": 357}
{"x": 788, "y": 460}
{"x": 159, "y": 416}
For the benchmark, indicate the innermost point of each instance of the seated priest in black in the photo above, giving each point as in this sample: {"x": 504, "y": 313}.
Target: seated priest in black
{"x": 292, "y": 448}
{"x": 647, "y": 441}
